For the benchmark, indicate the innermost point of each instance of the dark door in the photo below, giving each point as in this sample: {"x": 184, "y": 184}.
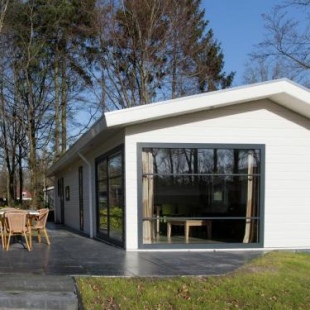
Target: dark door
{"x": 110, "y": 198}
{"x": 61, "y": 194}
{"x": 81, "y": 198}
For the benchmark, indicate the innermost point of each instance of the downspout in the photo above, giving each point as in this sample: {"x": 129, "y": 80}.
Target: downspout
{"x": 91, "y": 226}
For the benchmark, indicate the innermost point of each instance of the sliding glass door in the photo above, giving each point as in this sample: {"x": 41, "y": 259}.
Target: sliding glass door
{"x": 110, "y": 197}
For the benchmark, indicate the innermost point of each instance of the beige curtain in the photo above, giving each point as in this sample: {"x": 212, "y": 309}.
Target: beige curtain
{"x": 249, "y": 225}
{"x": 148, "y": 196}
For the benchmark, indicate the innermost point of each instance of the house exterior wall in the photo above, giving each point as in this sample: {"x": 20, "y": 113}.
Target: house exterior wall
{"x": 71, "y": 179}
{"x": 71, "y": 208}
{"x": 286, "y": 137}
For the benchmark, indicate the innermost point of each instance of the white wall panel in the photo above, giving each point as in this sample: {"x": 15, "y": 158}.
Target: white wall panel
{"x": 71, "y": 179}
{"x": 287, "y": 179}
{"x": 71, "y": 209}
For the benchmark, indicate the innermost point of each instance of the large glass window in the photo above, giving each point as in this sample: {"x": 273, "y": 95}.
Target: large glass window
{"x": 110, "y": 197}
{"x": 201, "y": 195}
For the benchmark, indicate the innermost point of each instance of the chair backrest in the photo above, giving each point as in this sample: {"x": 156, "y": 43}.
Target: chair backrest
{"x": 16, "y": 221}
{"x": 42, "y": 218}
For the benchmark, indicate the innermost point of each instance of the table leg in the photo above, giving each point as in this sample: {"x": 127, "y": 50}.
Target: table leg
{"x": 186, "y": 231}
{"x": 168, "y": 230}
{"x": 3, "y": 233}
{"x": 30, "y": 238}
{"x": 29, "y": 222}
{"x": 157, "y": 221}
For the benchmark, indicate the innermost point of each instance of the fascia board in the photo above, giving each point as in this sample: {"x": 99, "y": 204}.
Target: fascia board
{"x": 281, "y": 91}
{"x": 294, "y": 97}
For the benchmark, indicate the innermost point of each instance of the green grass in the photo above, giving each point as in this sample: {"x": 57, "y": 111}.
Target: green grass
{"x": 277, "y": 280}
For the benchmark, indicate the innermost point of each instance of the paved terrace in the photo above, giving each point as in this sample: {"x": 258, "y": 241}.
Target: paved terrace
{"x": 44, "y": 278}
{"x": 73, "y": 254}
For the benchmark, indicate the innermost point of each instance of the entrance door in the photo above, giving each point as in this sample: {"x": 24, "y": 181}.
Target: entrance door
{"x": 110, "y": 198}
{"x": 81, "y": 198}
{"x": 61, "y": 194}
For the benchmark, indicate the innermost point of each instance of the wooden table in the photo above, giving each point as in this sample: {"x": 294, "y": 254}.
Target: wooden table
{"x": 187, "y": 225}
{"x": 29, "y": 212}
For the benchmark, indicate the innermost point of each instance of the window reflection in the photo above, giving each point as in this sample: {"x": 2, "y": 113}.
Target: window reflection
{"x": 110, "y": 198}
{"x": 184, "y": 161}
{"x": 186, "y": 191}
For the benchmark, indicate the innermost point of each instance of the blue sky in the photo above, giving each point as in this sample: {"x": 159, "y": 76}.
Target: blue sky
{"x": 237, "y": 25}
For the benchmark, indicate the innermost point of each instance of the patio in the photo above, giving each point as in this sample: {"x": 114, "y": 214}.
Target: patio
{"x": 74, "y": 254}
{"x": 44, "y": 277}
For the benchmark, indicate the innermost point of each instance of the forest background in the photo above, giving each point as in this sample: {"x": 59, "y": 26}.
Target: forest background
{"x": 65, "y": 63}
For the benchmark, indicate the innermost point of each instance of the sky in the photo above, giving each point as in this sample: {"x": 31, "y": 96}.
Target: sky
{"x": 238, "y": 25}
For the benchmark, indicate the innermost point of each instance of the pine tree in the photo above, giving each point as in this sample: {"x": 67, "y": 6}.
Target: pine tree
{"x": 157, "y": 49}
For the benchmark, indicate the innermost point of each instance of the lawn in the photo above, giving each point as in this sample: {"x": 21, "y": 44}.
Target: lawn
{"x": 277, "y": 280}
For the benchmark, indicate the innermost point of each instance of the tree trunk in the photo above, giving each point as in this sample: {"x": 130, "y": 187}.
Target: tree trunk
{"x": 32, "y": 147}
{"x": 20, "y": 173}
{"x": 57, "y": 121}
{"x": 63, "y": 109}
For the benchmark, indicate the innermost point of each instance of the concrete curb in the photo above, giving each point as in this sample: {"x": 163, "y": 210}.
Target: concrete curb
{"x": 37, "y": 292}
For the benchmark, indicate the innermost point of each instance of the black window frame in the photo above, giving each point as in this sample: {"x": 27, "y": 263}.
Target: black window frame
{"x": 259, "y": 244}
{"x": 98, "y": 160}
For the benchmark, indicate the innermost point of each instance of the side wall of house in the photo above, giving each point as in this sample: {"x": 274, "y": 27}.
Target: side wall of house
{"x": 71, "y": 180}
{"x": 71, "y": 203}
{"x": 286, "y": 137}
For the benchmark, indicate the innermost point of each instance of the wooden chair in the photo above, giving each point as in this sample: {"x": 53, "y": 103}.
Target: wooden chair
{"x": 40, "y": 224}
{"x": 16, "y": 224}
{"x": 2, "y": 224}
{"x": 2, "y": 233}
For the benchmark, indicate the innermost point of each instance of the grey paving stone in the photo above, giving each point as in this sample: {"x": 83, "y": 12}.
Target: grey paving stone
{"x": 37, "y": 292}
{"x": 44, "y": 277}
{"x": 38, "y": 300}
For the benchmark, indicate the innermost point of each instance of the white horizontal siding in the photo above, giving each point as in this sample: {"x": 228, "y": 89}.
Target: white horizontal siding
{"x": 131, "y": 196}
{"x": 89, "y": 199}
{"x": 287, "y": 179}
{"x": 71, "y": 209}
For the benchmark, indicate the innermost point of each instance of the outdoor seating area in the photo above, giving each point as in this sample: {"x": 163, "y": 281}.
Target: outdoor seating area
{"x": 18, "y": 225}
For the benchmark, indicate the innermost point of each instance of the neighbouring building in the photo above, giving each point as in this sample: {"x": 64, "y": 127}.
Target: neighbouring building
{"x": 26, "y": 195}
{"x": 226, "y": 169}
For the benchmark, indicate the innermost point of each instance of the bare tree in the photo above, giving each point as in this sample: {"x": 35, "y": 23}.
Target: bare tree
{"x": 66, "y": 28}
{"x": 13, "y": 137}
{"x": 3, "y": 8}
{"x": 131, "y": 42}
{"x": 26, "y": 97}
{"x": 152, "y": 50}
{"x": 265, "y": 69}
{"x": 285, "y": 50}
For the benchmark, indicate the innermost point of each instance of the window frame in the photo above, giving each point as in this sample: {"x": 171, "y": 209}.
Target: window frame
{"x": 98, "y": 160}
{"x": 261, "y": 147}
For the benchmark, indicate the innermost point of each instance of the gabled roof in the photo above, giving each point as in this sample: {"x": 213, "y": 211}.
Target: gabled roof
{"x": 283, "y": 92}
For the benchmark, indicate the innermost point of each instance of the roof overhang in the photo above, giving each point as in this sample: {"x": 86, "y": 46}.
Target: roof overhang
{"x": 283, "y": 92}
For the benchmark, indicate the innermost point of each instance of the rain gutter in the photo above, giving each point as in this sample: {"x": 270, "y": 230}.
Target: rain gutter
{"x": 90, "y": 195}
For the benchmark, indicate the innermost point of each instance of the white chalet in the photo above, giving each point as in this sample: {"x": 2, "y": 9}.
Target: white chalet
{"x": 226, "y": 169}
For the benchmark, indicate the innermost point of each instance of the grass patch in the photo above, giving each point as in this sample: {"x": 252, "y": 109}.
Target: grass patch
{"x": 277, "y": 280}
